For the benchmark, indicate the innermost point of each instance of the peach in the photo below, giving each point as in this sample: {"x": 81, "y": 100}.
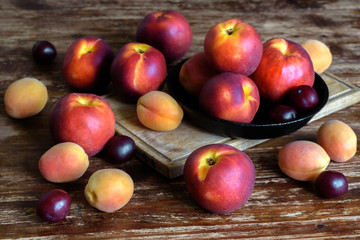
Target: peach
{"x": 64, "y": 162}
{"x": 195, "y": 72}
{"x": 159, "y": 111}
{"x": 338, "y": 139}
{"x": 319, "y": 53}
{"x": 230, "y": 96}
{"x": 25, "y": 98}
{"x": 303, "y": 160}
{"x": 109, "y": 189}
{"x": 233, "y": 46}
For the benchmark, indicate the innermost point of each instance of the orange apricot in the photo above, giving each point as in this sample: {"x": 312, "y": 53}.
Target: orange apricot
{"x": 159, "y": 111}
{"x": 303, "y": 160}
{"x": 25, "y": 98}
{"x": 64, "y": 162}
{"x": 319, "y": 53}
{"x": 338, "y": 139}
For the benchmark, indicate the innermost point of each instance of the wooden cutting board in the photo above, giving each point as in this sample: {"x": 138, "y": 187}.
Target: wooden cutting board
{"x": 166, "y": 152}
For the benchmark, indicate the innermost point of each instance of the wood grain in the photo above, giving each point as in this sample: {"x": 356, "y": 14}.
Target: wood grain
{"x": 161, "y": 208}
{"x": 166, "y": 152}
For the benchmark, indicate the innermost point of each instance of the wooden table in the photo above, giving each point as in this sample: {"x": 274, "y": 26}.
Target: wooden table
{"x": 161, "y": 208}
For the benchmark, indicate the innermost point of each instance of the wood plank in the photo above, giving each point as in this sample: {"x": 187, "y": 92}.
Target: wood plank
{"x": 166, "y": 152}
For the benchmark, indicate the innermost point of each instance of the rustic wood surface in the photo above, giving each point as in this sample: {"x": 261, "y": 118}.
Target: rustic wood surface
{"x": 279, "y": 208}
{"x": 166, "y": 152}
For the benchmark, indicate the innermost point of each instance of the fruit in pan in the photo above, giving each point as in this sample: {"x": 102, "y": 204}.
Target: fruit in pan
{"x": 319, "y": 53}
{"x": 219, "y": 177}
{"x": 231, "y": 97}
{"x": 137, "y": 69}
{"x": 83, "y": 118}
{"x": 233, "y": 46}
{"x": 284, "y": 65}
{"x": 159, "y": 111}
{"x": 195, "y": 72}
{"x": 338, "y": 139}
{"x": 25, "y": 98}
{"x": 167, "y": 31}
{"x": 86, "y": 64}
{"x": 64, "y": 162}
{"x": 282, "y": 113}
{"x": 109, "y": 189}
{"x": 303, "y": 160}
{"x": 303, "y": 98}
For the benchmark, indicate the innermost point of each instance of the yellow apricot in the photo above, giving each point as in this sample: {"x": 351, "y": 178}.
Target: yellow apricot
{"x": 159, "y": 111}
{"x": 338, "y": 139}
{"x": 319, "y": 53}
{"x": 303, "y": 160}
{"x": 109, "y": 189}
{"x": 25, "y": 98}
{"x": 64, "y": 162}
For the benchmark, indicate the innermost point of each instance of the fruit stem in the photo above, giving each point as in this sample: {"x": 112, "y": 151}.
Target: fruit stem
{"x": 229, "y": 31}
{"x": 211, "y": 161}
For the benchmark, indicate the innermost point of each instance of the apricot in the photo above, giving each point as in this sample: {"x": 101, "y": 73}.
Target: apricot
{"x": 109, "y": 189}
{"x": 319, "y": 53}
{"x": 303, "y": 160}
{"x": 338, "y": 139}
{"x": 25, "y": 98}
{"x": 159, "y": 111}
{"x": 64, "y": 162}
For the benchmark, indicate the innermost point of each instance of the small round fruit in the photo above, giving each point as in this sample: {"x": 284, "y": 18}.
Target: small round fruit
{"x": 54, "y": 205}
{"x": 109, "y": 189}
{"x": 282, "y": 113}
{"x": 338, "y": 139}
{"x": 303, "y": 160}
{"x": 331, "y": 184}
{"x": 319, "y": 53}
{"x": 303, "y": 98}
{"x": 25, "y": 98}
{"x": 43, "y": 52}
{"x": 120, "y": 149}
{"x": 159, "y": 111}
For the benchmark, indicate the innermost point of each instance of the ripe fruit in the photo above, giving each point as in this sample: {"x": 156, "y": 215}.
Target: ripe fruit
{"x": 303, "y": 160}
{"x": 64, "y": 162}
{"x": 233, "y": 46}
{"x": 195, "y": 72}
{"x": 331, "y": 184}
{"x": 338, "y": 139}
{"x": 168, "y": 31}
{"x": 54, "y": 205}
{"x": 109, "y": 189}
{"x": 284, "y": 65}
{"x": 282, "y": 113}
{"x": 25, "y": 98}
{"x": 43, "y": 52}
{"x": 83, "y": 118}
{"x": 230, "y": 96}
{"x": 86, "y": 64}
{"x": 120, "y": 149}
{"x": 303, "y": 98}
{"x": 319, "y": 53}
{"x": 219, "y": 177}
{"x": 159, "y": 111}
{"x": 137, "y": 69}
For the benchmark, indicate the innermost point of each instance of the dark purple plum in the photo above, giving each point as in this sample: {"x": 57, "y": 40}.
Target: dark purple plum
{"x": 120, "y": 149}
{"x": 282, "y": 113}
{"x": 303, "y": 98}
{"x": 54, "y": 205}
{"x": 331, "y": 184}
{"x": 43, "y": 52}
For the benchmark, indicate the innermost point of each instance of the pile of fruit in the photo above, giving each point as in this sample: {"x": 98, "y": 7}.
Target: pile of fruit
{"x": 229, "y": 77}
